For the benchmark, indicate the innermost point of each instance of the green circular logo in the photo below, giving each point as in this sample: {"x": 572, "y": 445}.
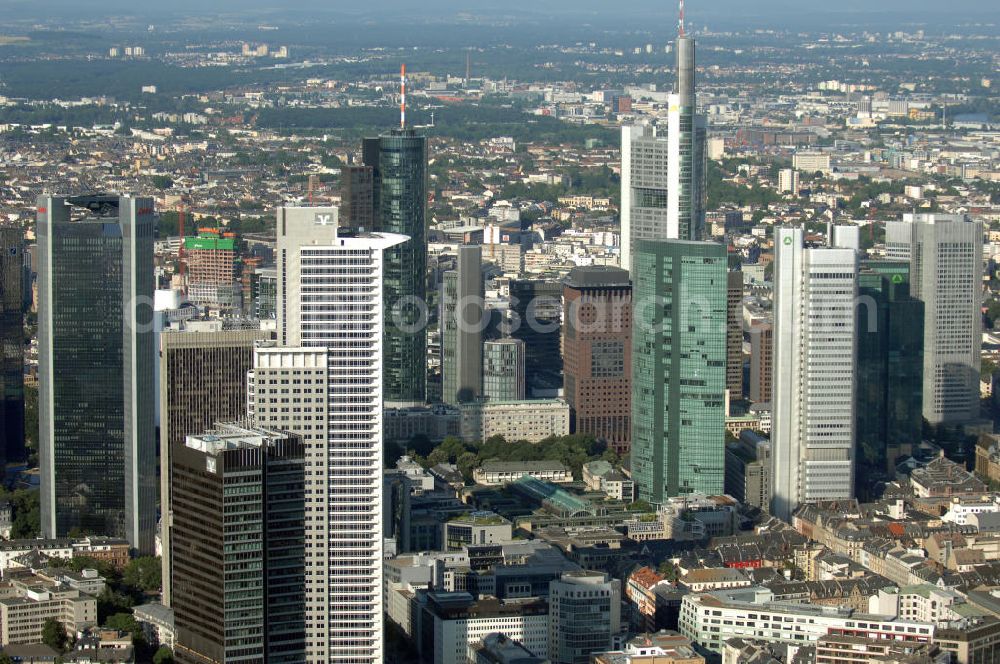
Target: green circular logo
{"x": 897, "y": 278}
{"x": 788, "y": 239}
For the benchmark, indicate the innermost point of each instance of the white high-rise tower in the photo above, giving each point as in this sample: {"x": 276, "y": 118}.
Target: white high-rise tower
{"x": 325, "y": 383}
{"x": 663, "y": 167}
{"x": 812, "y": 417}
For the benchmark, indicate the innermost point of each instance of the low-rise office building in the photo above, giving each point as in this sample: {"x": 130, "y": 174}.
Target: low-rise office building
{"x": 499, "y": 649}
{"x": 532, "y": 420}
{"x": 453, "y": 624}
{"x": 28, "y": 600}
{"x": 476, "y": 528}
{"x": 660, "y": 648}
{"x": 709, "y": 619}
{"x": 496, "y": 473}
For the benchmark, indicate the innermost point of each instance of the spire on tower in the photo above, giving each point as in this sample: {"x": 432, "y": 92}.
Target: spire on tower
{"x": 680, "y": 21}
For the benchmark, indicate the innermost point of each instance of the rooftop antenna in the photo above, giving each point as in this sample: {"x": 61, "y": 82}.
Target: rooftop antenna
{"x": 680, "y": 22}
{"x": 402, "y": 96}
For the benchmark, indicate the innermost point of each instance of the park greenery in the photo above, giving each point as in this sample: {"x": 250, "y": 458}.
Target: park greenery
{"x": 467, "y": 122}
{"x": 25, "y": 509}
{"x": 168, "y": 223}
{"x": 573, "y": 451}
{"x": 583, "y": 181}
{"x": 722, "y": 191}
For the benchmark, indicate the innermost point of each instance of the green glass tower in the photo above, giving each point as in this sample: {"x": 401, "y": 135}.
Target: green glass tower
{"x": 678, "y": 368}
{"x": 399, "y": 163}
{"x": 890, "y": 370}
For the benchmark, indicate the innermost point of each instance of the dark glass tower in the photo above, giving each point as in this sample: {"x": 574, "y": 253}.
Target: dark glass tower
{"x": 399, "y": 163}
{"x": 890, "y": 370}
{"x": 357, "y": 196}
{"x": 203, "y": 380}
{"x": 95, "y": 346}
{"x": 535, "y": 317}
{"x": 11, "y": 345}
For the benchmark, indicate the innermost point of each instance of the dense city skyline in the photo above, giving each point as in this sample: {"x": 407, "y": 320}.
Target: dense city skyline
{"x": 560, "y": 333}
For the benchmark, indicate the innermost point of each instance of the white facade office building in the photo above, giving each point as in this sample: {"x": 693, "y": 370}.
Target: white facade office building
{"x": 812, "y": 429}
{"x": 945, "y": 252}
{"x": 709, "y": 619}
{"x": 329, "y": 319}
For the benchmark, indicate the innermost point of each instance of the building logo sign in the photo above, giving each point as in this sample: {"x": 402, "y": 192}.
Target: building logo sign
{"x": 323, "y": 219}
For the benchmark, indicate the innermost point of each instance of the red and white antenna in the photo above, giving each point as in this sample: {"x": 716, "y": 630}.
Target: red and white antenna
{"x": 680, "y": 21}
{"x": 402, "y": 96}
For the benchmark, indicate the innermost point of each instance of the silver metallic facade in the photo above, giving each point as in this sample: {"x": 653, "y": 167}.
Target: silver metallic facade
{"x": 462, "y": 304}
{"x": 946, "y": 269}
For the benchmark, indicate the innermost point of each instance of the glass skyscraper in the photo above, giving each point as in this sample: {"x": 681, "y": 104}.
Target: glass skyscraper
{"x": 11, "y": 344}
{"x": 399, "y": 163}
{"x": 678, "y": 368}
{"x": 890, "y": 369}
{"x": 503, "y": 369}
{"x": 96, "y": 375}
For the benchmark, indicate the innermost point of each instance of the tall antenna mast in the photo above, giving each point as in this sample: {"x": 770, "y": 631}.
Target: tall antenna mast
{"x": 680, "y": 21}
{"x": 402, "y": 96}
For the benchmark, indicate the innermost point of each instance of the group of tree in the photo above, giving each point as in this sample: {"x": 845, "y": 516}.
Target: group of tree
{"x": 467, "y": 122}
{"x": 168, "y": 222}
{"x": 573, "y": 451}
{"x": 26, "y": 512}
{"x": 54, "y": 636}
{"x": 722, "y": 192}
{"x": 584, "y": 181}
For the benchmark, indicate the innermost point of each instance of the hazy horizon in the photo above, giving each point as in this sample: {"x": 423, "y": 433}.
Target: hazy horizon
{"x": 698, "y": 11}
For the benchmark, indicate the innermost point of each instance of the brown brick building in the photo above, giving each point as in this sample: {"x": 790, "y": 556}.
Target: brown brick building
{"x": 734, "y": 335}
{"x": 597, "y": 351}
{"x": 761, "y": 339}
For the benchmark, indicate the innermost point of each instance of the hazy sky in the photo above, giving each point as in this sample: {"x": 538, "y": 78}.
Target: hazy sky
{"x": 697, "y": 9}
